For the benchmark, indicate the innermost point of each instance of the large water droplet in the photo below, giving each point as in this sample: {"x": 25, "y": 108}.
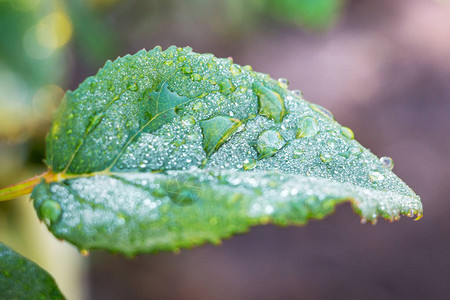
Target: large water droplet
{"x": 249, "y": 164}
{"x": 235, "y": 70}
{"x": 187, "y": 70}
{"x": 347, "y": 132}
{"x": 183, "y": 193}
{"x": 355, "y": 151}
{"x": 283, "y": 83}
{"x": 387, "y": 162}
{"x": 196, "y": 77}
{"x": 50, "y": 211}
{"x": 297, "y": 93}
{"x": 268, "y": 143}
{"x": 376, "y": 176}
{"x": 188, "y": 121}
{"x": 326, "y": 157}
{"x": 308, "y": 127}
{"x": 132, "y": 87}
{"x": 322, "y": 110}
{"x": 198, "y": 105}
{"x": 226, "y": 86}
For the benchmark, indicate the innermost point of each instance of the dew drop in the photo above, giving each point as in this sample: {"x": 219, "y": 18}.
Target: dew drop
{"x": 187, "y": 70}
{"x": 196, "y": 77}
{"x": 297, "y": 93}
{"x": 355, "y": 150}
{"x": 50, "y": 211}
{"x": 268, "y": 143}
{"x": 226, "y": 86}
{"x": 235, "y": 70}
{"x": 247, "y": 68}
{"x": 347, "y": 132}
{"x": 198, "y": 105}
{"x": 168, "y": 62}
{"x": 188, "y": 121}
{"x": 326, "y": 157}
{"x": 387, "y": 163}
{"x": 183, "y": 194}
{"x": 249, "y": 164}
{"x": 308, "y": 127}
{"x": 283, "y": 83}
{"x": 376, "y": 176}
{"x": 322, "y": 110}
{"x": 129, "y": 124}
{"x": 182, "y": 58}
{"x": 132, "y": 87}
{"x": 298, "y": 153}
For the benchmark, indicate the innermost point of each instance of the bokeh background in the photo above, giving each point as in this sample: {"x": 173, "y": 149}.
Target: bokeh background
{"x": 381, "y": 66}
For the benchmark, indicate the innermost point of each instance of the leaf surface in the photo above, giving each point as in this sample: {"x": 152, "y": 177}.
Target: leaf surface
{"x": 169, "y": 149}
{"x": 23, "y": 279}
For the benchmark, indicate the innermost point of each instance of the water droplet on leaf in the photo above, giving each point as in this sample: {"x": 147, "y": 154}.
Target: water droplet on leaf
{"x": 183, "y": 193}
{"x": 376, "y": 176}
{"x": 347, "y": 132}
{"x": 268, "y": 143}
{"x": 308, "y": 127}
{"x": 387, "y": 162}
{"x": 132, "y": 87}
{"x": 196, "y": 77}
{"x": 226, "y": 86}
{"x": 187, "y": 70}
{"x": 355, "y": 150}
{"x": 283, "y": 83}
{"x": 249, "y": 164}
{"x": 50, "y": 211}
{"x": 322, "y": 110}
{"x": 271, "y": 105}
{"x": 297, "y": 93}
{"x": 326, "y": 157}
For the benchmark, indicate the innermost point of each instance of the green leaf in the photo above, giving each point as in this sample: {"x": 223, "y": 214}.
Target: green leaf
{"x": 23, "y": 279}
{"x": 169, "y": 149}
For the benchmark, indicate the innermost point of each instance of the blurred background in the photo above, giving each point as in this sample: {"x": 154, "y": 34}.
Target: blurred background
{"x": 381, "y": 66}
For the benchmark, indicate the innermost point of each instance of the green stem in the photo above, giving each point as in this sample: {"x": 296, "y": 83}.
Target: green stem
{"x": 25, "y": 187}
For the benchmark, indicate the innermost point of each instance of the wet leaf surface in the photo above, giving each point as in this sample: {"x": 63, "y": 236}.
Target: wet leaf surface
{"x": 169, "y": 149}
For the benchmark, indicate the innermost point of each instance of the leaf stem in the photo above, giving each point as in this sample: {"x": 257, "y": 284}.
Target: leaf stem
{"x": 25, "y": 187}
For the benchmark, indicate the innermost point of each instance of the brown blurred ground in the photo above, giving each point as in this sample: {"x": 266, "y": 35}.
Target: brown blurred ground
{"x": 384, "y": 71}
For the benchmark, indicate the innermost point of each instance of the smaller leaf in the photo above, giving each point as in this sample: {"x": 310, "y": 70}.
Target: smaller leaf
{"x": 23, "y": 279}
